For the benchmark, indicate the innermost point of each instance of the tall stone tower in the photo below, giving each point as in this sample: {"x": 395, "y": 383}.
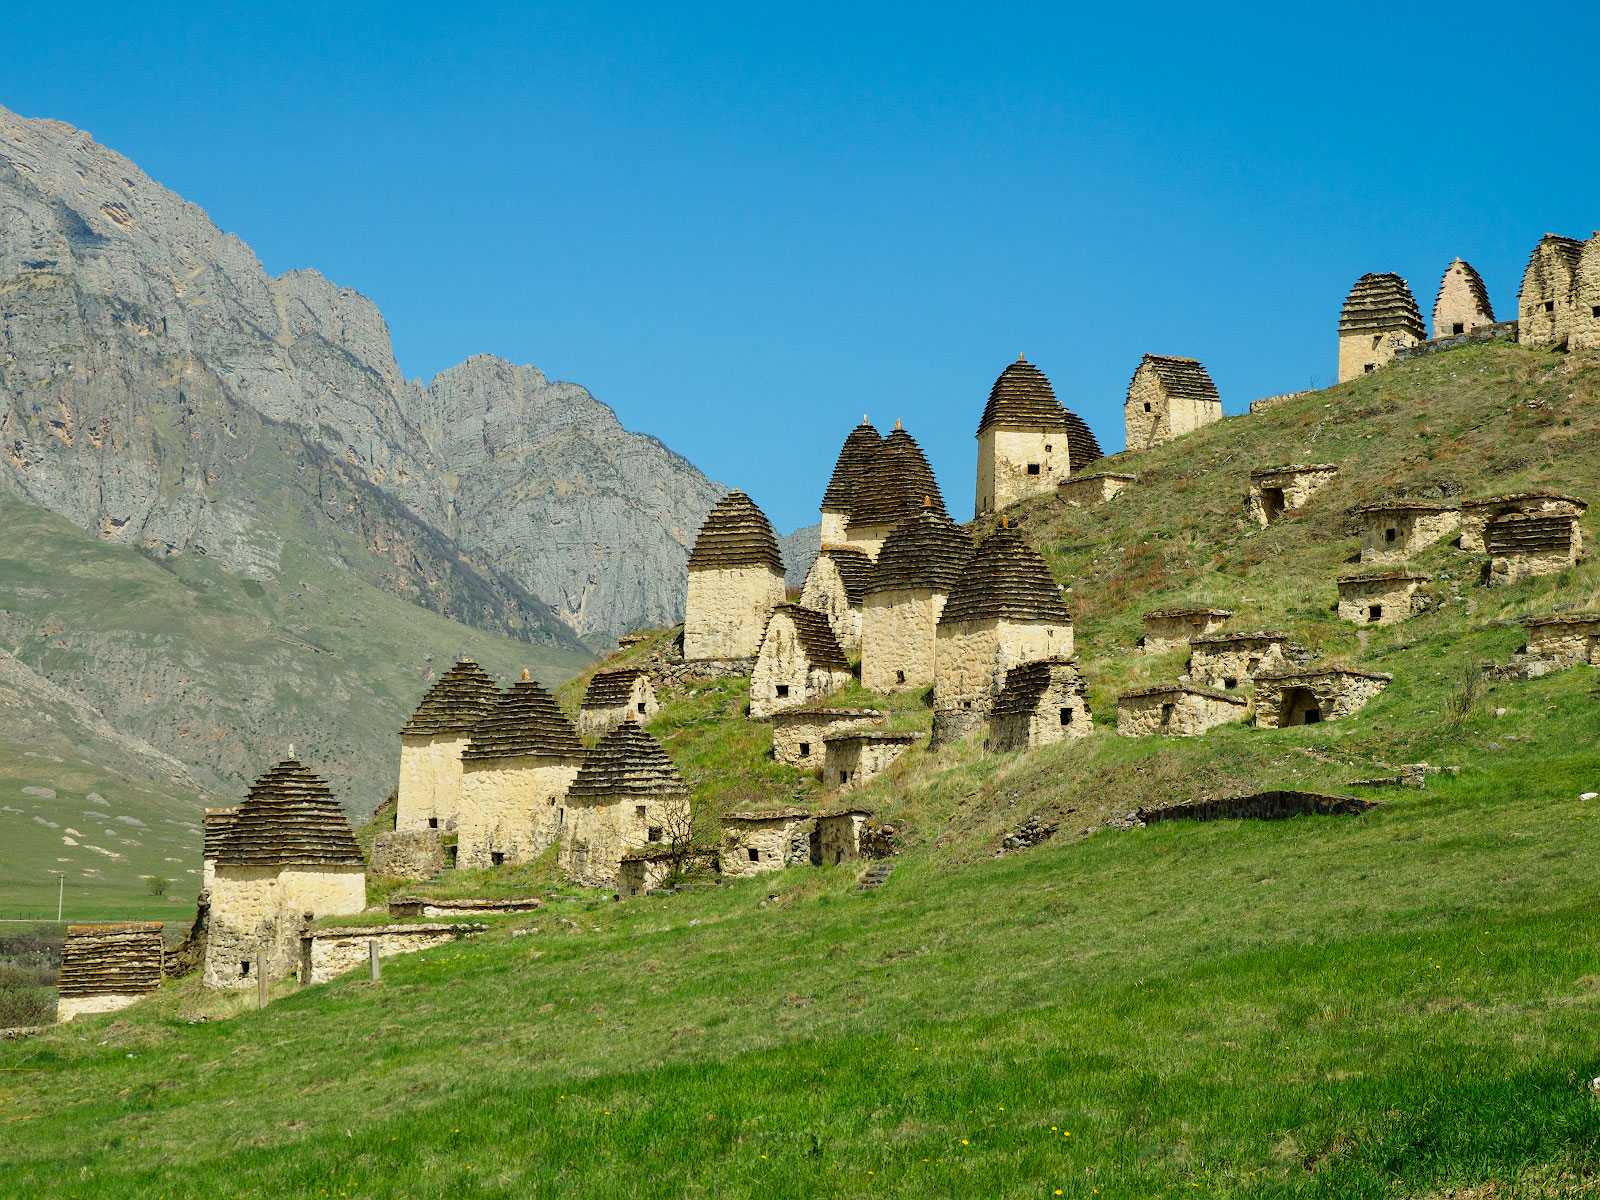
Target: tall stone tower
{"x": 1463, "y": 302}
{"x": 1379, "y": 316}
{"x": 735, "y": 581}
{"x": 1548, "y": 304}
{"x": 1027, "y": 442}
{"x": 892, "y": 488}
{"x": 854, "y": 457}
{"x": 1168, "y": 397}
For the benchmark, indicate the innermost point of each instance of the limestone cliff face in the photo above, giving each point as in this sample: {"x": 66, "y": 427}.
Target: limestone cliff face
{"x": 158, "y": 386}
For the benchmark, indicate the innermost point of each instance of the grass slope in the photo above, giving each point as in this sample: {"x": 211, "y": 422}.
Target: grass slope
{"x": 1399, "y": 1004}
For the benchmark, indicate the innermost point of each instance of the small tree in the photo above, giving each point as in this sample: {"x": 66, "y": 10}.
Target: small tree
{"x": 157, "y": 885}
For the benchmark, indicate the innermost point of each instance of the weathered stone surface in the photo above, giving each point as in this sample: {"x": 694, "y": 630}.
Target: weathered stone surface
{"x": 1565, "y": 638}
{"x": 1168, "y": 629}
{"x": 1306, "y": 696}
{"x": 1041, "y": 704}
{"x": 407, "y": 854}
{"x": 1176, "y": 710}
{"x": 798, "y": 733}
{"x": 1278, "y": 490}
{"x": 1027, "y": 441}
{"x": 1393, "y": 531}
{"x": 1225, "y": 661}
{"x": 757, "y": 841}
{"x": 1262, "y": 806}
{"x": 800, "y": 661}
{"x": 1380, "y": 316}
{"x": 1477, "y": 514}
{"x": 735, "y": 580}
{"x": 1523, "y": 545}
{"x": 614, "y": 696}
{"x": 1167, "y": 398}
{"x": 1547, "y": 307}
{"x": 839, "y": 835}
{"x": 1380, "y": 597}
{"x": 855, "y": 757}
{"x": 1081, "y": 491}
{"x": 328, "y": 953}
{"x": 1463, "y": 304}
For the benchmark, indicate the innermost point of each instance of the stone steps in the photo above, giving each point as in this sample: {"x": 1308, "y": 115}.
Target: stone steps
{"x": 875, "y": 876}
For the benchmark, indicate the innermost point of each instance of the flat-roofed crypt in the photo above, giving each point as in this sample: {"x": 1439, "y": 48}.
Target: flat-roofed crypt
{"x": 915, "y": 572}
{"x": 735, "y": 580}
{"x": 1393, "y": 530}
{"x": 1380, "y": 597}
{"x": 1177, "y": 710}
{"x": 1278, "y": 490}
{"x": 523, "y": 757}
{"x": 1027, "y": 441}
{"x": 1167, "y": 398}
{"x": 799, "y": 663}
{"x": 629, "y": 795}
{"x": 431, "y": 744}
{"x": 1379, "y": 317}
{"x": 612, "y": 697}
{"x": 893, "y": 487}
{"x": 1168, "y": 629}
{"x": 1463, "y": 302}
{"x": 1308, "y": 695}
{"x": 287, "y": 855}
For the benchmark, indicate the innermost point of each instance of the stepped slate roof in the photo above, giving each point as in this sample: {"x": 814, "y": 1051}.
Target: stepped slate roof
{"x": 607, "y": 689}
{"x": 1027, "y": 683}
{"x": 1582, "y": 618}
{"x": 217, "y": 821}
{"x": 1383, "y": 577}
{"x": 1516, "y": 497}
{"x": 1005, "y": 580}
{"x": 1480, "y": 294}
{"x": 1569, "y": 250}
{"x": 1243, "y": 637}
{"x": 627, "y": 762}
{"x": 1162, "y": 614}
{"x": 289, "y": 818}
{"x": 455, "y": 703}
{"x": 1513, "y": 534}
{"x": 524, "y": 721}
{"x": 99, "y": 960}
{"x": 1023, "y": 398}
{"x": 927, "y": 552}
{"x": 736, "y": 534}
{"x": 1292, "y": 469}
{"x": 855, "y": 570}
{"x": 814, "y": 633}
{"x": 1381, "y": 301}
{"x": 1180, "y": 377}
{"x": 854, "y": 456}
{"x": 895, "y": 483}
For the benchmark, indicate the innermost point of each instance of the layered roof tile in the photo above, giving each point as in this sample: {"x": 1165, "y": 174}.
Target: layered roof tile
{"x": 1475, "y": 289}
{"x": 628, "y": 762}
{"x": 455, "y": 703}
{"x": 525, "y": 721}
{"x": 1027, "y": 683}
{"x": 289, "y": 818}
{"x": 925, "y": 553}
{"x": 855, "y": 570}
{"x": 736, "y": 534}
{"x": 1023, "y": 398}
{"x": 895, "y": 483}
{"x": 854, "y": 456}
{"x": 1180, "y": 377}
{"x": 1381, "y": 302}
{"x": 607, "y": 689}
{"x": 99, "y": 960}
{"x": 1005, "y": 579}
{"x": 815, "y": 635}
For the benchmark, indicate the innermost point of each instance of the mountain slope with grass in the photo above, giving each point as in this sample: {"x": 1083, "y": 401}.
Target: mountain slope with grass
{"x": 1397, "y": 1004}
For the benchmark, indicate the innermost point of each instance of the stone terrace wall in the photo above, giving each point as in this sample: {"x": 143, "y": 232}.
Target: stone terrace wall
{"x": 328, "y": 953}
{"x": 1262, "y": 806}
{"x": 1079, "y": 491}
{"x": 1573, "y": 637}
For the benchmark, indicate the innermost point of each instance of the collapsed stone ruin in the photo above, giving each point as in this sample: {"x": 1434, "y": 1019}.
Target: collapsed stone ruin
{"x": 328, "y": 953}
{"x": 1559, "y": 308}
{"x": 1564, "y": 638}
{"x": 1041, "y": 704}
{"x": 1083, "y": 491}
{"x": 1260, "y": 806}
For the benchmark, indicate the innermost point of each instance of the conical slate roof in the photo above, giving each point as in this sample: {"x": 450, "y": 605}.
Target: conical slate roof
{"x": 895, "y": 483}
{"x": 1475, "y": 289}
{"x": 1381, "y": 302}
{"x": 1005, "y": 580}
{"x": 855, "y": 570}
{"x": 525, "y": 721}
{"x": 1023, "y": 398}
{"x": 99, "y": 960}
{"x": 607, "y": 689}
{"x": 736, "y": 534}
{"x": 926, "y": 552}
{"x": 1180, "y": 377}
{"x": 854, "y": 456}
{"x": 628, "y": 762}
{"x": 289, "y": 818}
{"x": 1568, "y": 250}
{"x": 455, "y": 703}
{"x": 814, "y": 633}
{"x": 1027, "y": 683}
{"x": 215, "y": 829}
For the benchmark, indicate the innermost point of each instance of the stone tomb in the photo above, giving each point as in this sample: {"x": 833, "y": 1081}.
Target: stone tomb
{"x": 288, "y": 857}
{"x": 410, "y": 854}
{"x": 1394, "y": 530}
{"x": 1523, "y": 545}
{"x": 328, "y": 953}
{"x": 798, "y": 733}
{"x": 1546, "y": 308}
{"x": 1082, "y": 491}
{"x": 516, "y": 771}
{"x": 1168, "y": 629}
{"x": 837, "y": 586}
{"x": 1305, "y": 696}
{"x": 1167, "y": 398}
{"x": 1027, "y": 442}
{"x": 431, "y": 745}
{"x": 1379, "y": 317}
{"x": 1278, "y": 490}
{"x": 612, "y": 697}
{"x": 216, "y": 822}
{"x": 894, "y": 486}
{"x": 1041, "y": 704}
{"x": 1463, "y": 302}
{"x": 800, "y": 661}
{"x": 735, "y": 581}
{"x": 758, "y": 841}
{"x": 839, "y": 499}
{"x": 1477, "y": 514}
{"x": 1176, "y": 710}
{"x": 855, "y": 757}
{"x": 1585, "y": 333}
{"x": 917, "y": 568}
{"x": 108, "y": 967}
{"x": 644, "y": 870}
{"x": 1380, "y": 597}
{"x": 839, "y": 835}
{"x": 1225, "y": 661}
{"x": 1564, "y": 637}
{"x": 628, "y": 795}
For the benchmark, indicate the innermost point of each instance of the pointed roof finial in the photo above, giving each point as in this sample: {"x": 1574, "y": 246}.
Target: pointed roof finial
{"x": 525, "y": 675}
{"x": 927, "y": 502}
{"x": 1005, "y": 522}
{"x": 897, "y": 424}
{"x": 1022, "y": 357}
{"x": 864, "y": 420}
{"x": 291, "y": 749}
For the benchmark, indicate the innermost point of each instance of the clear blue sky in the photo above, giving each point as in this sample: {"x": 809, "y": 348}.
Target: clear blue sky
{"x": 744, "y": 227}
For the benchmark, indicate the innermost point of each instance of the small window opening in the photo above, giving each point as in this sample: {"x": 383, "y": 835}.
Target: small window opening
{"x": 561, "y": 817}
{"x": 497, "y": 858}
{"x": 1066, "y": 716}
{"x": 1147, "y": 406}
{"x": 844, "y": 776}
{"x": 1033, "y": 468}
{"x": 450, "y": 854}
{"x": 1377, "y": 340}
{"x": 1048, "y": 447}
{"x": 1595, "y": 311}
{"x": 244, "y": 968}
{"x": 1230, "y": 682}
{"x": 1252, "y": 666}
{"x": 899, "y": 676}
{"x": 1374, "y": 612}
{"x": 783, "y": 689}
{"x": 433, "y": 822}
{"x": 1458, "y": 327}
{"x": 1389, "y": 535}
{"x": 1313, "y": 716}
{"x": 641, "y": 707}
{"x": 655, "y": 833}
{"x": 638, "y": 811}
{"x": 1370, "y": 368}
{"x": 1550, "y": 306}
{"x": 755, "y": 855}
{"x": 805, "y": 749}
{"x": 1166, "y": 714}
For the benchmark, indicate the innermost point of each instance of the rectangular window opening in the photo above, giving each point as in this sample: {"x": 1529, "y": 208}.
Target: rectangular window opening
{"x": 1048, "y": 448}
{"x": 638, "y": 811}
{"x": 1370, "y": 368}
{"x": 899, "y": 676}
{"x": 1458, "y": 327}
{"x": 450, "y": 854}
{"x": 1147, "y": 406}
{"x": 1595, "y": 311}
{"x": 844, "y": 776}
{"x": 755, "y": 855}
{"x": 1389, "y": 535}
{"x": 641, "y": 708}
{"x": 497, "y": 858}
{"x": 1374, "y": 612}
{"x": 1033, "y": 468}
{"x": 783, "y": 689}
{"x": 244, "y": 968}
{"x": 805, "y": 749}
{"x": 433, "y": 822}
{"x": 1166, "y": 713}
{"x": 1066, "y": 716}
{"x": 655, "y": 833}
{"x": 1550, "y": 306}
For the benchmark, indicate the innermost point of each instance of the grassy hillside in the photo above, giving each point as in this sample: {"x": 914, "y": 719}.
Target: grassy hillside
{"x": 1398, "y": 1004}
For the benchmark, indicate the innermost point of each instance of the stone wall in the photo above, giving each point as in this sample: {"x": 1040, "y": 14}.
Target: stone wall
{"x": 898, "y": 636}
{"x": 264, "y": 909}
{"x": 1165, "y": 632}
{"x": 511, "y": 807}
{"x": 797, "y": 737}
{"x": 1569, "y": 638}
{"x": 1381, "y": 600}
{"x": 953, "y": 724}
{"x": 1176, "y": 712}
{"x": 785, "y": 676}
{"x": 1262, "y": 806}
{"x": 410, "y": 854}
{"x": 1364, "y": 351}
{"x": 839, "y": 836}
{"x": 854, "y": 759}
{"x": 430, "y": 781}
{"x": 595, "y": 836}
{"x": 1227, "y": 664}
{"x": 69, "y": 1007}
{"x": 1477, "y": 514}
{"x": 825, "y": 593}
{"x": 753, "y": 846}
{"x": 1275, "y": 492}
{"x": 1014, "y": 464}
{"x": 1390, "y": 536}
{"x": 868, "y": 539}
{"x": 1081, "y": 491}
{"x": 328, "y": 953}
{"x": 727, "y": 610}
{"x": 638, "y": 876}
{"x": 1585, "y": 333}
{"x": 1305, "y": 698}
{"x": 972, "y": 657}
{"x": 1545, "y": 308}
{"x": 1267, "y": 402}
{"x": 1484, "y": 333}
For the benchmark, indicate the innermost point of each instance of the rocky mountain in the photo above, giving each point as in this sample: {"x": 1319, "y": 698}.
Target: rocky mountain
{"x": 159, "y": 388}
{"x": 799, "y": 550}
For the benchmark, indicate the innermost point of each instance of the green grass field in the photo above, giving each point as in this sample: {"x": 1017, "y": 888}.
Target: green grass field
{"x": 1400, "y": 1004}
